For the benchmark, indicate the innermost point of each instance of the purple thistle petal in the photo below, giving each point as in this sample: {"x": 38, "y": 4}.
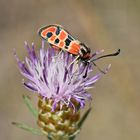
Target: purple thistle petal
{"x": 30, "y": 86}
{"x": 66, "y": 59}
{"x": 31, "y": 51}
{"x": 72, "y": 106}
{"x": 65, "y": 75}
{"x": 21, "y": 65}
{"x": 54, "y": 106}
{"x": 48, "y": 56}
{"x": 92, "y": 80}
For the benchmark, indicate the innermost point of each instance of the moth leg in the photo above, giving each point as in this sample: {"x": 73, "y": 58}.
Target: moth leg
{"x": 73, "y": 61}
{"x": 102, "y": 71}
{"x": 86, "y": 67}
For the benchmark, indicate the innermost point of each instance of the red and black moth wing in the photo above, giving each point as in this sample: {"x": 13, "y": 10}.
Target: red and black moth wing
{"x": 59, "y": 38}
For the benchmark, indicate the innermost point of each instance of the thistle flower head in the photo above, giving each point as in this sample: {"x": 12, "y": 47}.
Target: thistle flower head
{"x": 61, "y": 88}
{"x": 50, "y": 74}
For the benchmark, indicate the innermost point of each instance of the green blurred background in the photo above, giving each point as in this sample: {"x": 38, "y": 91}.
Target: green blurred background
{"x": 102, "y": 24}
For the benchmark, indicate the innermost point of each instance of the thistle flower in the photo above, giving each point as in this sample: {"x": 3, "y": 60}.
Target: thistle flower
{"x": 60, "y": 86}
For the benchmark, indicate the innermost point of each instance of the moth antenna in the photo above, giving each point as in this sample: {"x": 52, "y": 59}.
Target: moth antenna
{"x": 108, "y": 55}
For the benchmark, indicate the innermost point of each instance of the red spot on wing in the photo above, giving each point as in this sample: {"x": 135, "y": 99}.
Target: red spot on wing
{"x": 62, "y": 35}
{"x": 49, "y": 29}
{"x": 61, "y": 44}
{"x": 52, "y": 38}
{"x": 74, "y": 48}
